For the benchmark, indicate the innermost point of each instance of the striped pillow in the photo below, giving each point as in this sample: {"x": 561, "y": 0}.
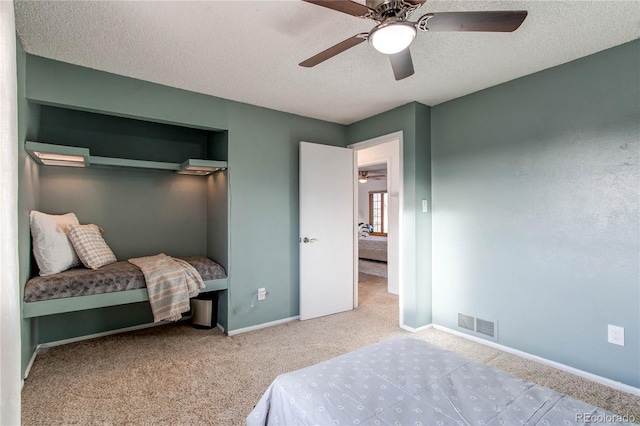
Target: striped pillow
{"x": 91, "y": 248}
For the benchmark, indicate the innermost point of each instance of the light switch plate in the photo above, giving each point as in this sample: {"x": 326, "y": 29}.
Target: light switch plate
{"x": 425, "y": 206}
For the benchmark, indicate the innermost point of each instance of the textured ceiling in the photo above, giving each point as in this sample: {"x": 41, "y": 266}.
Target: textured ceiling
{"x": 249, "y": 51}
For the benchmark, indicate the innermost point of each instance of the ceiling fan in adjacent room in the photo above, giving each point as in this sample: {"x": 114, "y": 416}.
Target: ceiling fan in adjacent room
{"x": 364, "y": 176}
{"x": 394, "y": 32}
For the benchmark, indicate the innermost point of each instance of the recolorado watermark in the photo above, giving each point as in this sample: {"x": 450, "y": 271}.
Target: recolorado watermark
{"x": 604, "y": 418}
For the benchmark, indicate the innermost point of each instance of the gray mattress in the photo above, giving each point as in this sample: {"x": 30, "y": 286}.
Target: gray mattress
{"x": 119, "y": 276}
{"x": 410, "y": 382}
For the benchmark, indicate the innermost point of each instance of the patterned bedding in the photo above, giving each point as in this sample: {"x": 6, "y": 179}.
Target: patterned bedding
{"x": 411, "y": 382}
{"x": 119, "y": 276}
{"x": 373, "y": 243}
{"x": 372, "y": 247}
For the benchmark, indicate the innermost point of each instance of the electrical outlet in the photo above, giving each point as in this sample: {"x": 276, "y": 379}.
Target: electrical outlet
{"x": 616, "y": 335}
{"x": 262, "y": 293}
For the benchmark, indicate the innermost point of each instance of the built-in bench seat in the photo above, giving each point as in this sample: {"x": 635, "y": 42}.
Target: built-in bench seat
{"x": 116, "y": 284}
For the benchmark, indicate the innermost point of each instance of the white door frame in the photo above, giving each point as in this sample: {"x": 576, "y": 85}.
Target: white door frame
{"x": 400, "y": 267}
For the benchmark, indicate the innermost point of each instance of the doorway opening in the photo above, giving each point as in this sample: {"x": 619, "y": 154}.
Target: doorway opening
{"x": 377, "y": 212}
{"x": 372, "y": 204}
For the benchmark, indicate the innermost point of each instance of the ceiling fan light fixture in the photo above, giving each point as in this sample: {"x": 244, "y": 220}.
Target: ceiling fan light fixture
{"x": 362, "y": 177}
{"x": 392, "y": 37}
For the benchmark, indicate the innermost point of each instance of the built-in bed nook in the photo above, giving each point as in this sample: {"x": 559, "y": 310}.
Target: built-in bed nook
{"x": 149, "y": 188}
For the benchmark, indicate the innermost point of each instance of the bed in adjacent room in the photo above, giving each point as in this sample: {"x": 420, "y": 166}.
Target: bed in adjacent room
{"x": 373, "y": 248}
{"x": 408, "y": 381}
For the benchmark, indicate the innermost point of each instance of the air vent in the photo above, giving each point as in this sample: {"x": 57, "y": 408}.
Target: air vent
{"x": 466, "y": 321}
{"x": 485, "y": 327}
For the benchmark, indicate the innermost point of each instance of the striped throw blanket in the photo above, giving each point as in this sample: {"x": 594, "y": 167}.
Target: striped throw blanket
{"x": 170, "y": 284}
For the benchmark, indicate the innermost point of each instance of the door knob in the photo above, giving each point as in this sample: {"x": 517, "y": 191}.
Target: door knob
{"x": 308, "y": 240}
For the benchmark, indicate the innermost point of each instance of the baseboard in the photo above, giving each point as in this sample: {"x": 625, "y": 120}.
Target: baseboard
{"x": 581, "y": 373}
{"x": 30, "y": 364}
{"x": 265, "y": 325}
{"x": 416, "y": 330}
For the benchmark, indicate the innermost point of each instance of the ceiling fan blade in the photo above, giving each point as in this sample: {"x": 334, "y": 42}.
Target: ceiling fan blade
{"x": 345, "y": 6}
{"x": 334, "y": 50}
{"x": 402, "y": 64}
{"x": 496, "y": 21}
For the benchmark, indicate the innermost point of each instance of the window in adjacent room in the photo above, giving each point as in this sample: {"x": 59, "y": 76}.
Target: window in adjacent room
{"x": 378, "y": 216}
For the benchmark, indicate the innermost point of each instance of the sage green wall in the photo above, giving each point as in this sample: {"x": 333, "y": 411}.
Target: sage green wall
{"x": 263, "y": 170}
{"x": 28, "y": 190}
{"x": 218, "y": 232}
{"x": 143, "y": 212}
{"x": 111, "y": 136}
{"x": 58, "y": 327}
{"x": 263, "y": 161}
{"x": 60, "y": 84}
{"x": 414, "y": 121}
{"x": 536, "y": 211}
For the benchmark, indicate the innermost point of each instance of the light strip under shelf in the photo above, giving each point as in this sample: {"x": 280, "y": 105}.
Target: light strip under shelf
{"x": 58, "y": 155}
{"x": 201, "y": 167}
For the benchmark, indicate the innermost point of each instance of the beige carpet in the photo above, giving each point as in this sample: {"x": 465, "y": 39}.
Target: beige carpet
{"x": 177, "y": 375}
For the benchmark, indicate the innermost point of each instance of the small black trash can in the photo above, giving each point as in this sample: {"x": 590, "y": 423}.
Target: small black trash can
{"x": 204, "y": 310}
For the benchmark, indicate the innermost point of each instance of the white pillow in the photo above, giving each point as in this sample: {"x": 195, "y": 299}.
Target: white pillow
{"x": 51, "y": 247}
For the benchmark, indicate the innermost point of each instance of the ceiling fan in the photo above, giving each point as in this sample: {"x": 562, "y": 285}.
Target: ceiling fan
{"x": 363, "y": 176}
{"x": 393, "y": 32}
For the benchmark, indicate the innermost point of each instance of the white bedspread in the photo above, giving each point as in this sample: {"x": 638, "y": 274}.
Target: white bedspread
{"x": 406, "y": 381}
{"x": 170, "y": 283}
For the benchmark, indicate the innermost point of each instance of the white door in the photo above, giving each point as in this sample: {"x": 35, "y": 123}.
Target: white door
{"x": 327, "y": 230}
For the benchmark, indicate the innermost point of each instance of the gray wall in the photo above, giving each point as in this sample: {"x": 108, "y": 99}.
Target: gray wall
{"x": 536, "y": 211}
{"x": 218, "y": 232}
{"x": 414, "y": 121}
{"x": 142, "y": 212}
{"x": 112, "y": 136}
{"x": 263, "y": 177}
